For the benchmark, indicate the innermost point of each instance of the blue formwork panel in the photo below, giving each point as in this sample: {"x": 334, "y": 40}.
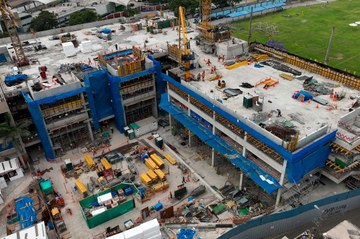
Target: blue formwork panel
{"x": 97, "y": 89}
{"x": 117, "y": 105}
{"x": 40, "y": 126}
{"x": 118, "y": 54}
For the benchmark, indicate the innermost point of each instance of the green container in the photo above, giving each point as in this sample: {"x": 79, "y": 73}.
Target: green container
{"x": 46, "y": 187}
{"x": 149, "y": 29}
{"x": 340, "y": 163}
{"x": 134, "y": 126}
{"x": 131, "y": 133}
{"x": 247, "y": 101}
{"x": 219, "y": 208}
{"x": 159, "y": 142}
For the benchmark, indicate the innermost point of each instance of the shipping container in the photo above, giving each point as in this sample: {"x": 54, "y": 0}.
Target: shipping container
{"x": 150, "y": 164}
{"x": 161, "y": 174}
{"x": 152, "y": 175}
{"x": 170, "y": 159}
{"x": 145, "y": 179}
{"x": 159, "y": 162}
{"x": 105, "y": 164}
{"x": 89, "y": 161}
{"x": 81, "y": 187}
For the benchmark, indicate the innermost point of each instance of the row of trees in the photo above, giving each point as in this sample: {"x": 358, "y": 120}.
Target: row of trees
{"x": 47, "y": 20}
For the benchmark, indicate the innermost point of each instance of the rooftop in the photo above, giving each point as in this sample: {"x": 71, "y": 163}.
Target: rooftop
{"x": 307, "y": 117}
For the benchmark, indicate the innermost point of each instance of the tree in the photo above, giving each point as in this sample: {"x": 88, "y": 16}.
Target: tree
{"x": 11, "y": 134}
{"x": 190, "y": 5}
{"x": 83, "y": 17}
{"x": 45, "y": 21}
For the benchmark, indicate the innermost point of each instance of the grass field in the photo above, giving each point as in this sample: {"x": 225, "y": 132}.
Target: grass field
{"x": 305, "y": 31}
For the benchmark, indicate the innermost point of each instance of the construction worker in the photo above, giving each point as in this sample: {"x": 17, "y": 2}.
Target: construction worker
{"x": 203, "y": 76}
{"x": 214, "y": 70}
{"x": 208, "y": 62}
{"x": 219, "y": 58}
{"x": 198, "y": 77}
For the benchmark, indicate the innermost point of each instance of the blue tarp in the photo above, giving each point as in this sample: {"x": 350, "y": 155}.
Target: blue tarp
{"x": 25, "y": 211}
{"x": 186, "y": 234}
{"x": 118, "y": 54}
{"x": 15, "y": 79}
{"x": 307, "y": 95}
{"x": 106, "y": 30}
{"x": 264, "y": 180}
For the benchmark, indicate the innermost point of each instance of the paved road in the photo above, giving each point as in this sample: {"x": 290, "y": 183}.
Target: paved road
{"x": 325, "y": 225}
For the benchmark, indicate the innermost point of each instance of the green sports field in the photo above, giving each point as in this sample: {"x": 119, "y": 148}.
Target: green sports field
{"x": 305, "y": 31}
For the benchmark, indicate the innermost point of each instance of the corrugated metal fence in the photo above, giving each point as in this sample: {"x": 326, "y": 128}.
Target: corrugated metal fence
{"x": 278, "y": 223}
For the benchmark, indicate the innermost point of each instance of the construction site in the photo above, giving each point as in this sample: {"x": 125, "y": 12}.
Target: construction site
{"x": 165, "y": 128}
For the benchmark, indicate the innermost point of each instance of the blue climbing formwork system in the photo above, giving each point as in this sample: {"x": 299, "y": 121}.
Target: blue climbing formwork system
{"x": 25, "y": 211}
{"x": 299, "y": 163}
{"x": 36, "y": 115}
{"x": 97, "y": 90}
{"x": 115, "y": 81}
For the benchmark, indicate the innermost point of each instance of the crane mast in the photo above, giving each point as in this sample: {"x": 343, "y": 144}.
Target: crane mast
{"x": 185, "y": 51}
{"x": 11, "y": 24}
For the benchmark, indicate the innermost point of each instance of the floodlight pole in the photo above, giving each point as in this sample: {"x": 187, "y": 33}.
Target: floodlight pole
{"x": 250, "y": 25}
{"x": 329, "y": 46}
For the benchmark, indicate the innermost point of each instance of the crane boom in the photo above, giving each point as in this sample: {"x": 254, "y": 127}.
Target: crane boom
{"x": 10, "y": 24}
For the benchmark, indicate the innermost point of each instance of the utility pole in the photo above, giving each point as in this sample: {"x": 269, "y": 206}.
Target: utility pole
{"x": 250, "y": 25}
{"x": 329, "y": 46}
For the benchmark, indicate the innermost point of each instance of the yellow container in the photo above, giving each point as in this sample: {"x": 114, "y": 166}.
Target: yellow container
{"x": 152, "y": 175}
{"x": 150, "y": 164}
{"x": 105, "y": 163}
{"x": 145, "y": 179}
{"x": 161, "y": 174}
{"x": 89, "y": 161}
{"x": 157, "y": 160}
{"x": 170, "y": 159}
{"x": 81, "y": 187}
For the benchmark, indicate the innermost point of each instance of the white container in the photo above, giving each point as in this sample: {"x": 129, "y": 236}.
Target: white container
{"x": 86, "y": 46}
{"x": 69, "y": 49}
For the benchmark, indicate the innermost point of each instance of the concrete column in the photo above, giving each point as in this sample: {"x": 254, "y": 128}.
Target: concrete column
{"x": 241, "y": 180}
{"x": 189, "y": 138}
{"x": 91, "y": 135}
{"x": 188, "y": 99}
{"x": 278, "y": 196}
{"x": 244, "y": 149}
{"x": 170, "y": 123}
{"x": 212, "y": 157}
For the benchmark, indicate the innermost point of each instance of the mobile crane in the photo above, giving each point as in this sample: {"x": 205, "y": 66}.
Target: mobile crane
{"x": 11, "y": 22}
